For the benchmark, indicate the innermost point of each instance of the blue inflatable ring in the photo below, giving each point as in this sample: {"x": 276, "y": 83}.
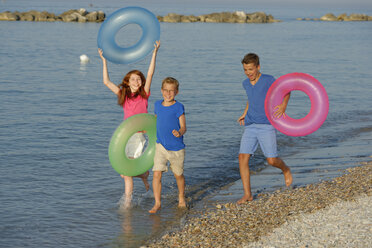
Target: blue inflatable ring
{"x": 124, "y": 55}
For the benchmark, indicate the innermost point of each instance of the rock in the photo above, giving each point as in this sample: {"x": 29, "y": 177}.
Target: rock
{"x": 240, "y": 17}
{"x": 69, "y": 12}
{"x": 260, "y": 17}
{"x": 358, "y": 17}
{"x": 82, "y": 15}
{"x": 39, "y": 16}
{"x": 342, "y": 17}
{"x": 271, "y": 19}
{"x": 27, "y": 17}
{"x": 69, "y": 18}
{"x": 172, "y": 17}
{"x": 214, "y": 17}
{"x": 8, "y": 16}
{"x": 257, "y": 17}
{"x": 328, "y": 17}
{"x": 95, "y": 16}
{"x": 223, "y": 17}
{"x": 101, "y": 16}
{"x": 83, "y": 12}
{"x": 92, "y": 17}
{"x": 241, "y": 14}
{"x": 79, "y": 17}
{"x": 74, "y": 16}
{"x": 190, "y": 18}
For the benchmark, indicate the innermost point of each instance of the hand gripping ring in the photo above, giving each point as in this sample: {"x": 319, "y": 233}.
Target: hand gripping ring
{"x": 318, "y": 98}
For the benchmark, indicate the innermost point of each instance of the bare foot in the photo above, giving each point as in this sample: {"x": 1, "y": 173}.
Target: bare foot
{"x": 155, "y": 209}
{"x": 181, "y": 202}
{"x": 288, "y": 177}
{"x": 244, "y": 199}
{"x": 125, "y": 202}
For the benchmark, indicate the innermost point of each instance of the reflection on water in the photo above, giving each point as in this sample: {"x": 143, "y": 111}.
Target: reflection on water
{"x": 57, "y": 119}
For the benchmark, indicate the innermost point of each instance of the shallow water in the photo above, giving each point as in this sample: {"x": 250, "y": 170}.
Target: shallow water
{"x": 57, "y": 186}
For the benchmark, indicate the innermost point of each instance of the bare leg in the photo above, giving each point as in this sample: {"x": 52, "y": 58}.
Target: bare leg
{"x": 144, "y": 177}
{"x": 279, "y": 163}
{"x": 156, "y": 187}
{"x": 244, "y": 174}
{"x": 181, "y": 190}
{"x": 128, "y": 181}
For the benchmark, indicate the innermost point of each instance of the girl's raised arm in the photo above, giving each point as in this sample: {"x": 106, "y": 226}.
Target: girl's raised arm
{"x": 106, "y": 78}
{"x": 151, "y": 70}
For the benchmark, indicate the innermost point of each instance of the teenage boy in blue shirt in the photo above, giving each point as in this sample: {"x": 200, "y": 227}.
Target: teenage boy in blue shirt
{"x": 258, "y": 129}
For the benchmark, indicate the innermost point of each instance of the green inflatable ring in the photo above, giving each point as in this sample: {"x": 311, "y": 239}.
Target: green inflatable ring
{"x": 118, "y": 158}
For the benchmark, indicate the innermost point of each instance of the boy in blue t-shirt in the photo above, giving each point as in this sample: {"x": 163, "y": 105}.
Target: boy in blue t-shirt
{"x": 258, "y": 129}
{"x": 170, "y": 128}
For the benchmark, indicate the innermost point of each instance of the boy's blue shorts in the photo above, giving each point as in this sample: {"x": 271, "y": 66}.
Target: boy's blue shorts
{"x": 264, "y": 134}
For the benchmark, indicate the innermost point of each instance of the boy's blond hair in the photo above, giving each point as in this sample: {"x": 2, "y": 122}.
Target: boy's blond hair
{"x": 170, "y": 80}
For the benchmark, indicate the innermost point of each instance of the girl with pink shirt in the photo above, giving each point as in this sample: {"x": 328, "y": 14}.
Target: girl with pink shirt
{"x": 133, "y": 94}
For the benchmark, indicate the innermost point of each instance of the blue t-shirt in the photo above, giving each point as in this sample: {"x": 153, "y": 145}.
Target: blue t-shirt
{"x": 256, "y": 99}
{"x": 168, "y": 120}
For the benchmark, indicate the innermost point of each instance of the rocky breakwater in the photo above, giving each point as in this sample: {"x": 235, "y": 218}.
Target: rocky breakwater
{"x": 343, "y": 17}
{"x": 81, "y": 15}
{"x": 223, "y": 17}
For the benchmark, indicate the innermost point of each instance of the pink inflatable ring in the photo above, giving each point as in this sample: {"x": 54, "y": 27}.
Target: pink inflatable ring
{"x": 318, "y": 98}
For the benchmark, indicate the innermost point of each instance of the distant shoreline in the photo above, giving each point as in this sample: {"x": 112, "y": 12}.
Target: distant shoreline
{"x": 340, "y": 18}
{"x": 82, "y": 15}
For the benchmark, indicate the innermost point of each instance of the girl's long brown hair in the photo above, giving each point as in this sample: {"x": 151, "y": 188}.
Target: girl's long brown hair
{"x": 125, "y": 91}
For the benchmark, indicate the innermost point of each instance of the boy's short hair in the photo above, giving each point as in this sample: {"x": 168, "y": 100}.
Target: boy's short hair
{"x": 170, "y": 80}
{"x": 251, "y": 58}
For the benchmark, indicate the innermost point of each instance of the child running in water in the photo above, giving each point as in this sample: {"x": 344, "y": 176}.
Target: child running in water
{"x": 258, "y": 129}
{"x": 170, "y": 128}
{"x": 133, "y": 94}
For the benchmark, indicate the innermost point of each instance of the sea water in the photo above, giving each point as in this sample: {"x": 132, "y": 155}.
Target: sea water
{"x": 57, "y": 188}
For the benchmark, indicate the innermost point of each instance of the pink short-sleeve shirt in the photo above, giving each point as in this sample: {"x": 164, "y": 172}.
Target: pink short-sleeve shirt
{"x": 135, "y": 105}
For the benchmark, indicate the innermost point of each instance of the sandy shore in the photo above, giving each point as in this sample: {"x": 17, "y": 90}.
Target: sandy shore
{"x": 328, "y": 214}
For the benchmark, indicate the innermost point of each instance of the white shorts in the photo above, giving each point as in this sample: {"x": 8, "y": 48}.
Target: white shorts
{"x": 175, "y": 158}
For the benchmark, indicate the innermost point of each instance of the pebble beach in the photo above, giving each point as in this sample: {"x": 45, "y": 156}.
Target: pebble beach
{"x": 334, "y": 213}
